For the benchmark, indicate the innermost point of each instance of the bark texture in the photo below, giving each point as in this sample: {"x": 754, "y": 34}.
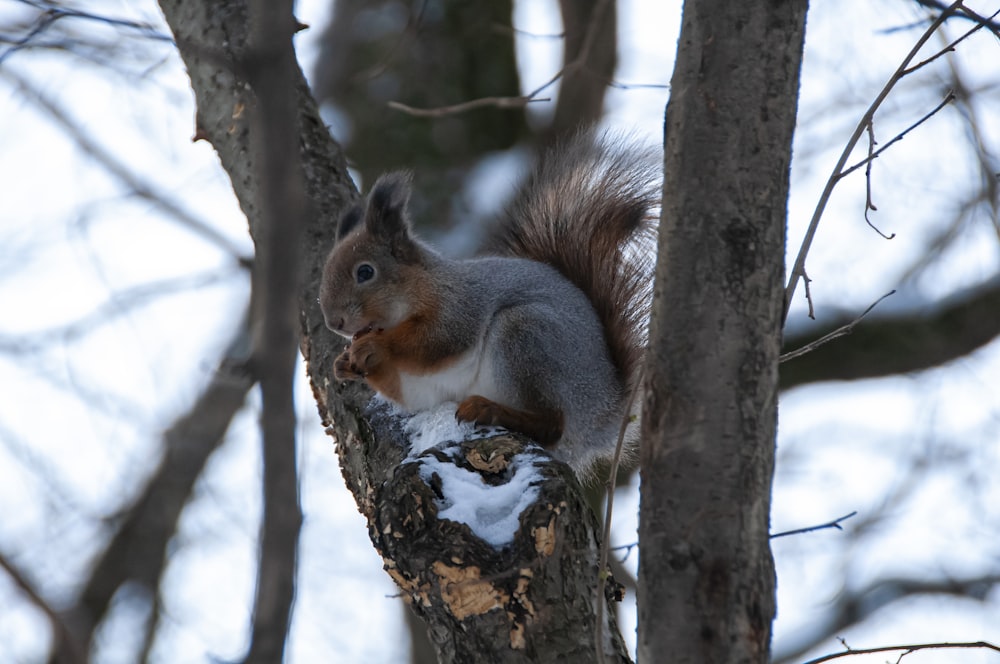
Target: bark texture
{"x": 706, "y": 576}
{"x": 530, "y": 601}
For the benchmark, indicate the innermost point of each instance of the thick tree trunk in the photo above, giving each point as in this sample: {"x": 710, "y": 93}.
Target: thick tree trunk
{"x": 706, "y": 577}
{"x": 531, "y": 600}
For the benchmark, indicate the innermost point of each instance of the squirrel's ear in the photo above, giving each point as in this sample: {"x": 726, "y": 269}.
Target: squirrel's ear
{"x": 348, "y": 222}
{"x": 386, "y": 216}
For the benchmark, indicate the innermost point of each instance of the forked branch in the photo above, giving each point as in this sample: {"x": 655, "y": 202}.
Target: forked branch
{"x": 907, "y": 649}
{"x": 865, "y": 123}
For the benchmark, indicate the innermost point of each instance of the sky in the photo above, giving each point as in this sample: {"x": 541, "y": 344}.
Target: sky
{"x": 83, "y": 407}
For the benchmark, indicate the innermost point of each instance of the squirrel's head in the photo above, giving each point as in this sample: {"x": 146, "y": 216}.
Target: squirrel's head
{"x": 375, "y": 263}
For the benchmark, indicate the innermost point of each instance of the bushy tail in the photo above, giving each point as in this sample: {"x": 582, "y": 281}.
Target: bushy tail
{"x": 589, "y": 209}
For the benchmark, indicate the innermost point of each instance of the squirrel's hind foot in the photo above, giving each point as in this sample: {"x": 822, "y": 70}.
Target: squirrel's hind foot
{"x": 545, "y": 427}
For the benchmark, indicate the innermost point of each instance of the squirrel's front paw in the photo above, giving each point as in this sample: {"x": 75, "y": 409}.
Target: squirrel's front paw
{"x": 358, "y": 360}
{"x": 344, "y": 367}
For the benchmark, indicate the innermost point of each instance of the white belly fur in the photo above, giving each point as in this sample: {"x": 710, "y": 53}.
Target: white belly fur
{"x": 464, "y": 377}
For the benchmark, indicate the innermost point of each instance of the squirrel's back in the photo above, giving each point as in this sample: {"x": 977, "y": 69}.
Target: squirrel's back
{"x": 545, "y": 339}
{"x": 589, "y": 210}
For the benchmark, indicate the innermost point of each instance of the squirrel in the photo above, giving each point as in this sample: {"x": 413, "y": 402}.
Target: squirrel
{"x": 543, "y": 334}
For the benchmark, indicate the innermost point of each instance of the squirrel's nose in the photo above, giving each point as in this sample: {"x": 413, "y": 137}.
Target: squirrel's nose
{"x": 331, "y": 326}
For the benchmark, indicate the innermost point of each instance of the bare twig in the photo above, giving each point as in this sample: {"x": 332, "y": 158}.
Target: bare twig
{"x": 990, "y": 191}
{"x": 56, "y": 10}
{"x": 798, "y": 268}
{"x": 518, "y": 32}
{"x": 869, "y": 205}
{"x": 122, "y": 172}
{"x": 602, "y": 573}
{"x": 513, "y": 102}
{"x": 826, "y": 338}
{"x": 982, "y": 22}
{"x": 483, "y": 102}
{"x": 829, "y": 524}
{"x": 902, "y": 342}
{"x": 409, "y": 32}
{"x": 914, "y": 647}
{"x": 898, "y": 137}
{"x": 967, "y": 13}
{"x": 627, "y": 548}
{"x": 138, "y": 551}
{"x": 51, "y": 13}
{"x": 855, "y": 606}
{"x": 637, "y": 86}
{"x": 123, "y": 301}
{"x": 809, "y": 298}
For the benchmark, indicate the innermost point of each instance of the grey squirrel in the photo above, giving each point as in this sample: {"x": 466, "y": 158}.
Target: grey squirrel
{"x": 544, "y": 336}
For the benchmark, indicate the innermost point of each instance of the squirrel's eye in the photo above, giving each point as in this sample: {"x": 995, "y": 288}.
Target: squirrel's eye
{"x": 364, "y": 272}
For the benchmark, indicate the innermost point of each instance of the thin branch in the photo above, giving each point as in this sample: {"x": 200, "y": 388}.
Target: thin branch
{"x": 809, "y": 298}
{"x": 798, "y": 269}
{"x": 907, "y": 650}
{"x": 51, "y": 14}
{"x": 67, "y": 647}
{"x": 60, "y": 10}
{"x": 518, "y": 32}
{"x": 869, "y": 205}
{"x": 125, "y": 300}
{"x": 906, "y": 341}
{"x": 581, "y": 57}
{"x": 627, "y": 548}
{"x": 855, "y": 606}
{"x": 873, "y": 155}
{"x": 512, "y": 102}
{"x": 967, "y": 13}
{"x": 122, "y": 172}
{"x": 981, "y": 23}
{"x": 411, "y": 31}
{"x": 138, "y": 550}
{"x": 827, "y": 338}
{"x": 829, "y": 524}
{"x": 638, "y": 86}
{"x": 602, "y": 573}
{"x": 483, "y": 102}
{"x": 990, "y": 191}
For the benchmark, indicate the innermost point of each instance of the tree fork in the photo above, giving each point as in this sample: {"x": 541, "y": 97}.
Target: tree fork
{"x": 552, "y": 565}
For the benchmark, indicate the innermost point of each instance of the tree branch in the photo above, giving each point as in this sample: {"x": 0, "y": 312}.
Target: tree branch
{"x": 66, "y": 648}
{"x": 137, "y": 552}
{"x": 270, "y": 66}
{"x": 852, "y": 607}
{"x": 121, "y": 171}
{"x": 913, "y": 647}
{"x": 798, "y": 268}
{"x": 835, "y": 524}
{"x": 547, "y": 575}
{"x": 830, "y": 336}
{"x": 904, "y": 342}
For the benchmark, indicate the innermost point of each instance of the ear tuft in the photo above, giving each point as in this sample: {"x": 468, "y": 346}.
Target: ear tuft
{"x": 386, "y": 216}
{"x": 348, "y": 222}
